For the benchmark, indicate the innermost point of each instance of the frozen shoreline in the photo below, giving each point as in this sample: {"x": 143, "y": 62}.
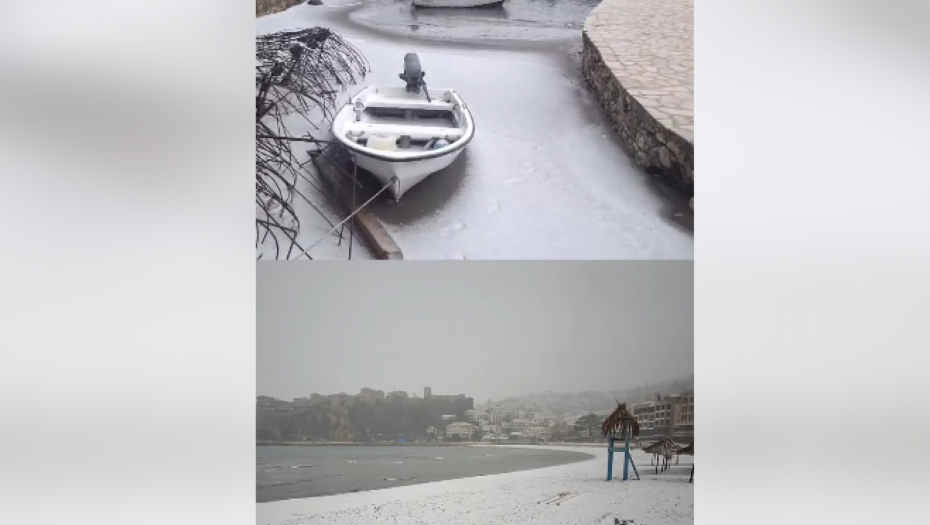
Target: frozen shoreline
{"x": 511, "y": 498}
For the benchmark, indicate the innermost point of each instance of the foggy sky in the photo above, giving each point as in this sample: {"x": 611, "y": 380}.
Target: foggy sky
{"x": 487, "y": 330}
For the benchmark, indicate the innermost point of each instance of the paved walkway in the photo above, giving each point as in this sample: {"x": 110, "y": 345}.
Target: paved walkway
{"x": 649, "y": 46}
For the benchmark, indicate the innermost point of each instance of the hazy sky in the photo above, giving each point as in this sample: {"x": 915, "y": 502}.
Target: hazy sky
{"x": 487, "y": 330}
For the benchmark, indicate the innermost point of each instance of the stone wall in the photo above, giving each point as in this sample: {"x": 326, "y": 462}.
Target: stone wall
{"x": 655, "y": 147}
{"x": 267, "y": 7}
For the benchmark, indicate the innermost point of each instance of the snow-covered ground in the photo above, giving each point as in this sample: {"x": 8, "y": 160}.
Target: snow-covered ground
{"x": 513, "y": 498}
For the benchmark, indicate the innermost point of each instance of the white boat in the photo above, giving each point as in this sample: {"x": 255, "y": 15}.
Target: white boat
{"x": 404, "y": 134}
{"x": 456, "y": 3}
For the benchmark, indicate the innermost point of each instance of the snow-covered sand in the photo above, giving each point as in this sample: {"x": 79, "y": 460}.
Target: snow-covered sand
{"x": 512, "y": 498}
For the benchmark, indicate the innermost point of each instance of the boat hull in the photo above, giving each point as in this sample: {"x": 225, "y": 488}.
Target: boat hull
{"x": 408, "y": 174}
{"x": 364, "y": 134}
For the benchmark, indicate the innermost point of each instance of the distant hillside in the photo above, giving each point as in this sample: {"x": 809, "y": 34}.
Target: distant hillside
{"x": 559, "y": 403}
{"x": 354, "y": 418}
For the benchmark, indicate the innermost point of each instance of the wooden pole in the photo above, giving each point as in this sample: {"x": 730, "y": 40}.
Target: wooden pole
{"x": 372, "y": 230}
{"x": 626, "y": 456}
{"x": 610, "y": 459}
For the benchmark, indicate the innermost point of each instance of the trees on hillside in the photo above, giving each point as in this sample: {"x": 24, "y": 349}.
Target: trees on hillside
{"x": 352, "y": 418}
{"x": 589, "y": 423}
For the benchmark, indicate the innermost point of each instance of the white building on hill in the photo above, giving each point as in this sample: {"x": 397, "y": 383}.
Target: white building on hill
{"x": 496, "y": 414}
{"x": 462, "y": 430}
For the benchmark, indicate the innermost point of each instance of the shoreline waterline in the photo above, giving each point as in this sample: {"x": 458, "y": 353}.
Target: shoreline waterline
{"x": 297, "y": 472}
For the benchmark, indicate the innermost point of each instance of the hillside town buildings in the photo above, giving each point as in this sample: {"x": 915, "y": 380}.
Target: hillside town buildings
{"x": 664, "y": 416}
{"x": 669, "y": 416}
{"x": 428, "y": 394}
{"x": 464, "y": 431}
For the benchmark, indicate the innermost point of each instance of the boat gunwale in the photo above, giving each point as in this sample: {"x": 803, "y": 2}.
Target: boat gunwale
{"x": 412, "y": 157}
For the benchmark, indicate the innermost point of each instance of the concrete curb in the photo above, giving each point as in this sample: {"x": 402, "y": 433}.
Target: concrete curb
{"x": 369, "y": 226}
{"x": 660, "y": 151}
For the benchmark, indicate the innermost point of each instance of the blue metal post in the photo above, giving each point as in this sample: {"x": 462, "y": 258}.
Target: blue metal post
{"x": 626, "y": 457}
{"x": 610, "y": 459}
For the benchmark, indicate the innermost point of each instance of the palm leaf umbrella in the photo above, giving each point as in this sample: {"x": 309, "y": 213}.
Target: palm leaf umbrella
{"x": 665, "y": 447}
{"x": 619, "y": 422}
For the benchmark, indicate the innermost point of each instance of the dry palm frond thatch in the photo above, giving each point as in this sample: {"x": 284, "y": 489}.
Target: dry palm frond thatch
{"x": 298, "y": 75}
{"x": 662, "y": 452}
{"x": 663, "y": 447}
{"x": 619, "y": 422}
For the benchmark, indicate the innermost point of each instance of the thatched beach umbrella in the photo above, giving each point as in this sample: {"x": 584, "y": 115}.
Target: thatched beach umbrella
{"x": 619, "y": 422}
{"x": 663, "y": 448}
{"x": 654, "y": 449}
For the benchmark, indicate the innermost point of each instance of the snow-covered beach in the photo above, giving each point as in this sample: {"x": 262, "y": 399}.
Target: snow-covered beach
{"x": 513, "y": 498}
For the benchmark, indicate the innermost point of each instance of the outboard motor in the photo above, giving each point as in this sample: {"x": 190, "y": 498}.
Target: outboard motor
{"x": 413, "y": 75}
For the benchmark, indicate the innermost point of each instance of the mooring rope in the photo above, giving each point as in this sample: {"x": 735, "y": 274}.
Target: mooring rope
{"x": 347, "y": 219}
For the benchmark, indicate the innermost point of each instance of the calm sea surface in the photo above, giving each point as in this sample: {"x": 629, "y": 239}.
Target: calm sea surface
{"x": 304, "y": 471}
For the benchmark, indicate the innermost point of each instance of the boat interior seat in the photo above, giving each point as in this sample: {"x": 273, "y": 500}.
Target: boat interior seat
{"x": 363, "y": 130}
{"x": 375, "y": 101}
